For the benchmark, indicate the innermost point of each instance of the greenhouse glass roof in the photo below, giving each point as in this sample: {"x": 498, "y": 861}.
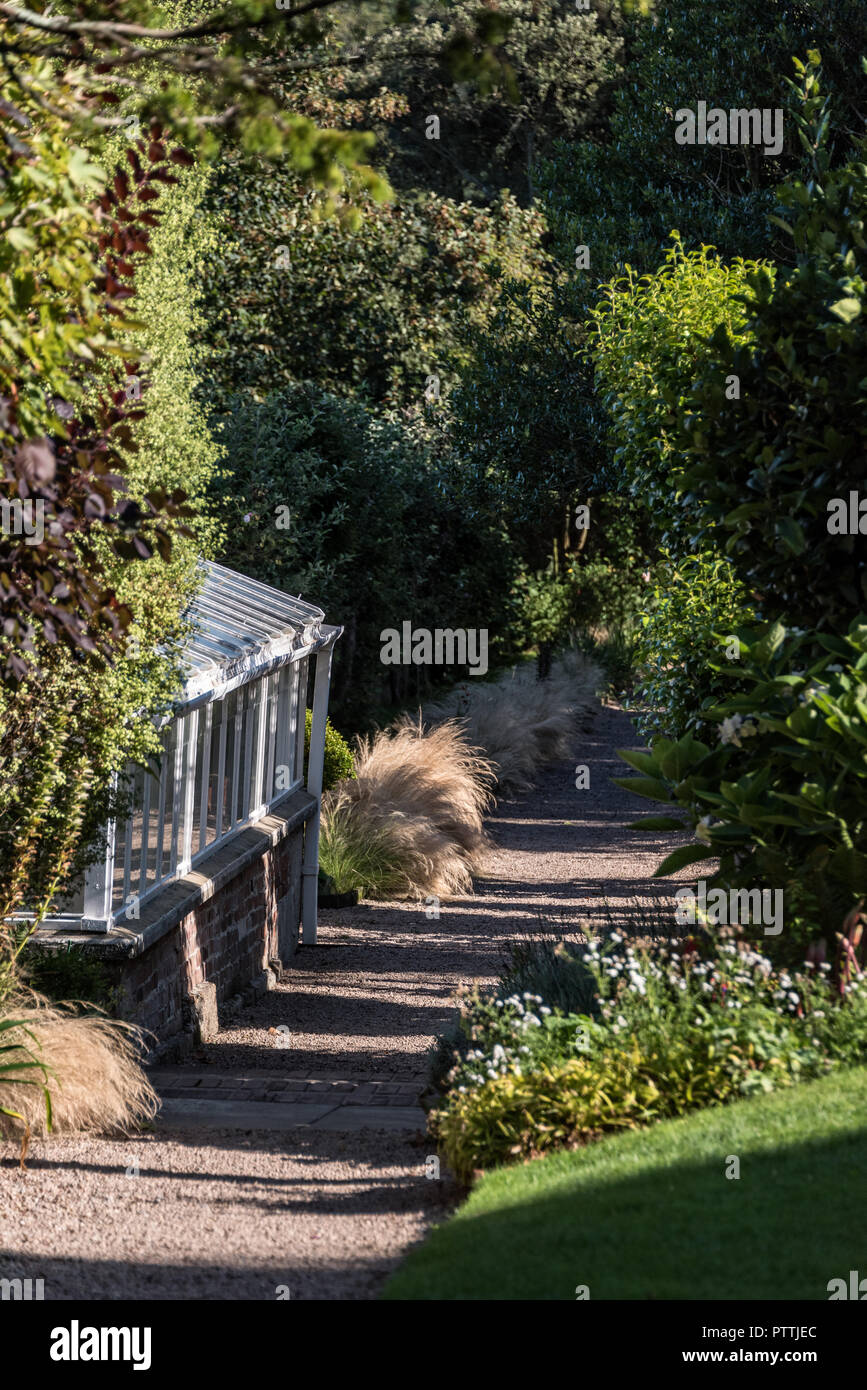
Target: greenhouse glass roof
{"x": 240, "y": 630}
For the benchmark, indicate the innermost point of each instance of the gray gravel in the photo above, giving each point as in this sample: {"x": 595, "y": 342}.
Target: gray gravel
{"x": 221, "y": 1215}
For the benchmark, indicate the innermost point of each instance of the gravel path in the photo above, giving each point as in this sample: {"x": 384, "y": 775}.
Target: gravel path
{"x": 226, "y": 1213}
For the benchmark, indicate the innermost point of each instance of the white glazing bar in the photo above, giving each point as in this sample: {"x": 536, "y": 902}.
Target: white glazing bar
{"x": 161, "y": 816}
{"x": 299, "y": 726}
{"x": 189, "y": 781}
{"x": 282, "y": 753}
{"x": 268, "y": 791}
{"x": 236, "y": 748}
{"x": 252, "y": 693}
{"x": 207, "y": 715}
{"x": 145, "y": 834}
{"x": 257, "y": 794}
{"x": 221, "y": 771}
{"x": 177, "y": 789}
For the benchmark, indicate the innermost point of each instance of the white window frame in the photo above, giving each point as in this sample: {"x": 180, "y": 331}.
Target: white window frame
{"x": 279, "y": 740}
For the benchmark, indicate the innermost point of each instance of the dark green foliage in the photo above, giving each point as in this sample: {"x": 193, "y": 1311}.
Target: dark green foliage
{"x": 369, "y": 310}
{"x": 623, "y": 196}
{"x": 360, "y": 514}
{"x": 338, "y": 754}
{"x": 524, "y": 417}
{"x": 779, "y": 795}
{"x": 72, "y": 974}
{"x": 558, "y": 64}
{"x": 765, "y": 469}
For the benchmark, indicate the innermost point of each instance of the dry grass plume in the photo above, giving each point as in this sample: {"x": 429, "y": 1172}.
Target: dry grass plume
{"x": 520, "y": 722}
{"x": 421, "y": 796}
{"x": 92, "y": 1070}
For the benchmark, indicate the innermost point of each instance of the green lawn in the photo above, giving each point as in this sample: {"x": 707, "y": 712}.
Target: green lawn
{"x": 651, "y": 1214}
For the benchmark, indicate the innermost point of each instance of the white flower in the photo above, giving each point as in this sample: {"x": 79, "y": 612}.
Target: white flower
{"x": 729, "y": 730}
{"x": 701, "y": 830}
{"x": 499, "y": 1053}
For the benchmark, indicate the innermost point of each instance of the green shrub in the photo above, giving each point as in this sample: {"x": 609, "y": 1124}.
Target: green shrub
{"x": 651, "y": 339}
{"x": 519, "y": 1116}
{"x": 694, "y": 606}
{"x": 603, "y": 594}
{"x": 623, "y": 192}
{"x": 544, "y": 605}
{"x": 673, "y": 1029}
{"x": 764, "y": 470}
{"x": 338, "y": 754}
{"x": 367, "y": 310}
{"x": 781, "y": 798}
{"x": 72, "y": 974}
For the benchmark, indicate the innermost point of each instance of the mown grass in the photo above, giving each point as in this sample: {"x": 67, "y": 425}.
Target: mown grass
{"x": 652, "y": 1215}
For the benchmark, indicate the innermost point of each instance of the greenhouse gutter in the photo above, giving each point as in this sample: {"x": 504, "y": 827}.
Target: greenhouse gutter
{"x": 205, "y": 686}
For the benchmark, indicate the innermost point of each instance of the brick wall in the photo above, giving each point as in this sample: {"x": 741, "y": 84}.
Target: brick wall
{"x": 225, "y": 943}
{"x": 203, "y": 940}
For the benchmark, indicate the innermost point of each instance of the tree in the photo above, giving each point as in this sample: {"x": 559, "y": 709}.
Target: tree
{"x": 240, "y": 59}
{"x": 471, "y": 139}
{"x": 69, "y": 245}
{"x": 623, "y": 194}
{"x": 774, "y": 470}
{"x": 373, "y": 311}
{"x": 521, "y": 421}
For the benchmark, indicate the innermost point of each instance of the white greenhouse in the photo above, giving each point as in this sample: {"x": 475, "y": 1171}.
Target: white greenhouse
{"x": 233, "y": 753}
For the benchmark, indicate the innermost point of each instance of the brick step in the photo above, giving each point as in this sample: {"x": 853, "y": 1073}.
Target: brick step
{"x": 264, "y": 1087}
